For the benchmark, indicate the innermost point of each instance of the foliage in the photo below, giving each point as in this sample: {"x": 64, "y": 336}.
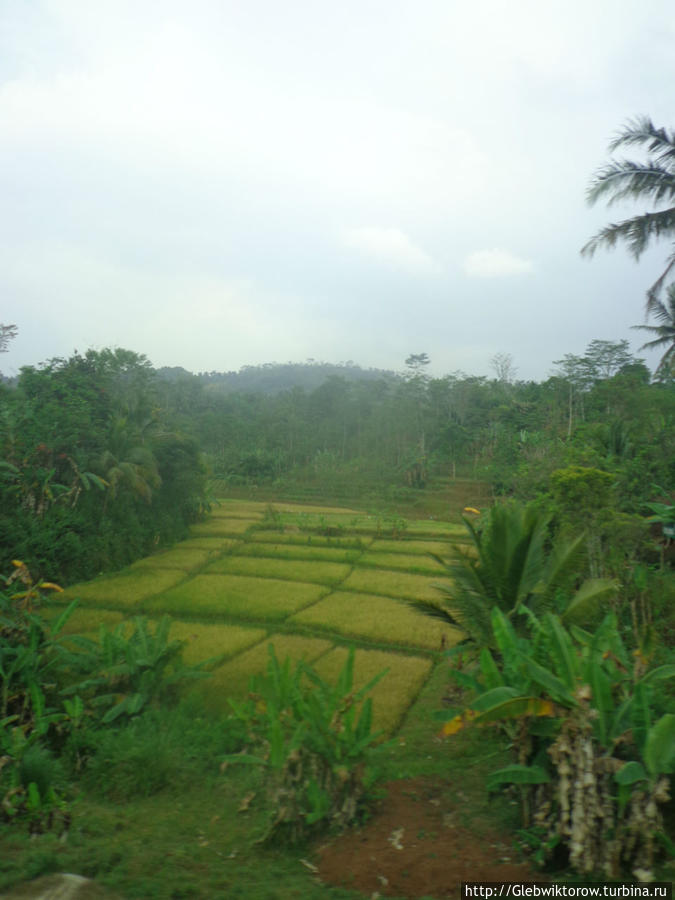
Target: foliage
{"x": 91, "y": 476}
{"x": 31, "y": 659}
{"x": 593, "y": 752}
{"x": 511, "y": 564}
{"x": 663, "y": 333}
{"x": 127, "y": 672}
{"x": 315, "y": 740}
{"x": 653, "y": 180}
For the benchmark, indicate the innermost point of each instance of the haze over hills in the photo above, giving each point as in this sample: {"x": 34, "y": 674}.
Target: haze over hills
{"x": 273, "y": 377}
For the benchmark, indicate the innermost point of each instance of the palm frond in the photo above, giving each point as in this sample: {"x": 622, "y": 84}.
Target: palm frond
{"x": 636, "y": 233}
{"x": 627, "y": 179}
{"x": 642, "y": 131}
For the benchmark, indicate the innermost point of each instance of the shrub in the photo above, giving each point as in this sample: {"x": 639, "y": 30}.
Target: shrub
{"x": 315, "y": 741}
{"x": 593, "y": 750}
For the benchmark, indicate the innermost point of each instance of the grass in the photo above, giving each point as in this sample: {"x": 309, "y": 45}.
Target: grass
{"x": 409, "y": 546}
{"x": 85, "y": 619}
{"x": 378, "y": 619}
{"x": 204, "y": 642}
{"x": 185, "y": 558}
{"x": 222, "y": 526}
{"x": 398, "y": 585}
{"x": 232, "y": 678}
{"x": 416, "y": 563}
{"x": 433, "y": 527}
{"x": 125, "y": 590}
{"x": 299, "y": 551}
{"x": 312, "y": 572}
{"x": 217, "y": 544}
{"x": 237, "y": 596}
{"x": 396, "y": 691}
{"x": 274, "y": 536}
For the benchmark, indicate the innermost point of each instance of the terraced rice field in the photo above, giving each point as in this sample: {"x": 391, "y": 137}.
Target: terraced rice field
{"x": 308, "y": 579}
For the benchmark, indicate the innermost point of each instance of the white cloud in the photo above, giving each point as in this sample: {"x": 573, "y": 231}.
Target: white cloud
{"x": 495, "y": 263}
{"x": 390, "y": 246}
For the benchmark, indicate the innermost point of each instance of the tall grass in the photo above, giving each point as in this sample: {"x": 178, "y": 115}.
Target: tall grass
{"x": 237, "y": 596}
{"x": 380, "y": 619}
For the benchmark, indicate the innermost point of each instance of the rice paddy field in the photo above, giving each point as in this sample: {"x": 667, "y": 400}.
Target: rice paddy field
{"x": 309, "y": 580}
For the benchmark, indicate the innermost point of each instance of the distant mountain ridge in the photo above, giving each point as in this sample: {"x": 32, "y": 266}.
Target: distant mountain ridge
{"x": 273, "y": 378}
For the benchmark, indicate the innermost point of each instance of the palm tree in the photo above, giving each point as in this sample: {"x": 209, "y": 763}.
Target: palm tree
{"x": 652, "y": 180}
{"x": 664, "y": 333}
{"x": 511, "y": 565}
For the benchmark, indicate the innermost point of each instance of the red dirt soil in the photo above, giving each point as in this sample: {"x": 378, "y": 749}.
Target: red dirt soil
{"x": 421, "y": 842}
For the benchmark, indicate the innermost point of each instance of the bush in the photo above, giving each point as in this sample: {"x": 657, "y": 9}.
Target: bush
{"x": 593, "y": 748}
{"x": 315, "y": 742}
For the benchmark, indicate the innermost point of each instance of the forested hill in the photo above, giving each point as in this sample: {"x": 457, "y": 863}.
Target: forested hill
{"x": 273, "y": 378}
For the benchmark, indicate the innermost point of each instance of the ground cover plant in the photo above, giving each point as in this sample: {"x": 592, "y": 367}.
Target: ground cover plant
{"x": 125, "y": 590}
{"x": 378, "y": 619}
{"x": 274, "y": 536}
{"x": 217, "y": 544}
{"x": 415, "y": 563}
{"x": 410, "y": 546}
{"x": 214, "y": 641}
{"x": 290, "y": 550}
{"x": 394, "y": 693}
{"x": 399, "y": 585}
{"x": 238, "y": 596}
{"x": 216, "y": 527}
{"x": 309, "y": 571}
{"x": 185, "y": 558}
{"x": 233, "y": 678}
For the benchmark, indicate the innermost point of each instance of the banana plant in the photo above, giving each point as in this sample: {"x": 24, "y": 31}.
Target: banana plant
{"x": 315, "y": 739}
{"x": 127, "y": 673}
{"x": 585, "y": 714}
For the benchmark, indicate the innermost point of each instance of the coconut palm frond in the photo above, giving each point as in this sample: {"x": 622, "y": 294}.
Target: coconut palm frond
{"x": 642, "y": 131}
{"x": 652, "y": 180}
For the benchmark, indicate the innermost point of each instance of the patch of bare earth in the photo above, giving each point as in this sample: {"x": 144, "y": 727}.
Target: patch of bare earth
{"x": 422, "y": 841}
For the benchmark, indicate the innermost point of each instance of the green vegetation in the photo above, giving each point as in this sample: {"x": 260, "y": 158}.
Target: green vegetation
{"x": 237, "y": 595}
{"x": 368, "y": 616}
{"x": 315, "y": 739}
{"x": 596, "y": 751}
{"x": 344, "y": 509}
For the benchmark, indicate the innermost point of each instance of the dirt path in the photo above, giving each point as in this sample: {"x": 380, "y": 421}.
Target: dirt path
{"x": 422, "y": 842}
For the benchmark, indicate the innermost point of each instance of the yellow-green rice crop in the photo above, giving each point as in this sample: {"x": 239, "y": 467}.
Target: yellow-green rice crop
{"x": 298, "y": 551}
{"x": 217, "y": 544}
{"x": 220, "y": 526}
{"x": 238, "y": 510}
{"x": 433, "y": 527}
{"x": 399, "y": 585}
{"x": 378, "y": 619}
{"x": 212, "y": 641}
{"x": 318, "y": 510}
{"x": 444, "y": 549}
{"x": 408, "y": 562}
{"x": 302, "y": 539}
{"x": 291, "y": 569}
{"x": 83, "y": 620}
{"x": 237, "y": 596}
{"x": 232, "y": 678}
{"x": 393, "y": 695}
{"x": 336, "y": 519}
{"x": 126, "y": 590}
{"x": 185, "y": 558}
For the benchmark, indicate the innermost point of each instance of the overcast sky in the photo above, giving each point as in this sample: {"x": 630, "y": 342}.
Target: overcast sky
{"x": 217, "y": 184}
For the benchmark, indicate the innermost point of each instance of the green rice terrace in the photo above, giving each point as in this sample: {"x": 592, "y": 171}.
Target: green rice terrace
{"x": 311, "y": 580}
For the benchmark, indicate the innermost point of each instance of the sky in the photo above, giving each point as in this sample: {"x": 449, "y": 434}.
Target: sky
{"x": 217, "y": 184}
